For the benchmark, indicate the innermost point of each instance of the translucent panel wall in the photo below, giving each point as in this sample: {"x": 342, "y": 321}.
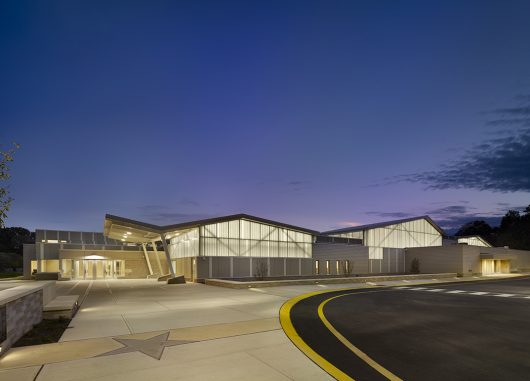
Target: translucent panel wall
{"x": 473, "y": 241}
{"x": 243, "y": 238}
{"x": 185, "y": 245}
{"x": 417, "y": 233}
{"x": 357, "y": 235}
{"x": 375, "y": 252}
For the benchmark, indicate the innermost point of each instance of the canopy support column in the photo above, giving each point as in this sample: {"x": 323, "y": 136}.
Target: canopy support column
{"x": 153, "y": 243}
{"x": 168, "y": 258}
{"x": 147, "y": 259}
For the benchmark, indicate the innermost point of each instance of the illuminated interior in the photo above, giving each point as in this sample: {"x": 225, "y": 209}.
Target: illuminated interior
{"x": 474, "y": 241}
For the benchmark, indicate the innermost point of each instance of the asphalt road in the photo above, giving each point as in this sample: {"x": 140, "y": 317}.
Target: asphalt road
{"x": 463, "y": 331}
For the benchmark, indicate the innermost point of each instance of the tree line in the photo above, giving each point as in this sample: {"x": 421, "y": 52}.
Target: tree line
{"x": 514, "y": 230}
{"x": 11, "y": 245}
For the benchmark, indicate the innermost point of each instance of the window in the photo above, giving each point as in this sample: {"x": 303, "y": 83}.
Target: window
{"x": 338, "y": 266}
{"x": 317, "y": 267}
{"x": 327, "y": 267}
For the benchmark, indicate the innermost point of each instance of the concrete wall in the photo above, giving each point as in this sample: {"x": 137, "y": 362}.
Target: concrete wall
{"x": 22, "y": 306}
{"x": 522, "y": 261}
{"x": 471, "y": 263}
{"x": 393, "y": 259}
{"x": 333, "y": 252}
{"x": 437, "y": 259}
{"x": 184, "y": 266}
{"x": 28, "y": 254}
{"x": 464, "y": 259}
{"x": 519, "y": 259}
{"x": 21, "y": 315}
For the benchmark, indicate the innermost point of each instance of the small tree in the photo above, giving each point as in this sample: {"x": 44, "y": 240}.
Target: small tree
{"x": 261, "y": 270}
{"x": 415, "y": 266}
{"x": 5, "y": 200}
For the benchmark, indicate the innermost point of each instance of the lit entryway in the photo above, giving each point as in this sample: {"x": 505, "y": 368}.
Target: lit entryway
{"x": 495, "y": 266}
{"x": 98, "y": 269}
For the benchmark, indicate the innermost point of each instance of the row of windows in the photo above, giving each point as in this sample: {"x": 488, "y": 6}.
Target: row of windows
{"x": 245, "y": 229}
{"x": 63, "y": 236}
{"x": 340, "y": 267}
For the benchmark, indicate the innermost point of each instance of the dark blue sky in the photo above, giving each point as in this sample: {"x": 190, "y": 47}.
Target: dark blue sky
{"x": 317, "y": 113}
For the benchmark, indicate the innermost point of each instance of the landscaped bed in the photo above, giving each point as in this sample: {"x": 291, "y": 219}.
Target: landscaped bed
{"x": 46, "y": 332}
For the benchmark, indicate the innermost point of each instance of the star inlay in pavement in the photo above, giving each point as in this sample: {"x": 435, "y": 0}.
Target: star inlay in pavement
{"x": 153, "y": 347}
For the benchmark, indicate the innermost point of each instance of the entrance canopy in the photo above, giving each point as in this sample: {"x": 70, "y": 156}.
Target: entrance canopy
{"x": 131, "y": 231}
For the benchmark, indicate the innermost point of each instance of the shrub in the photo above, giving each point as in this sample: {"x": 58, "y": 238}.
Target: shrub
{"x": 415, "y": 266}
{"x": 261, "y": 270}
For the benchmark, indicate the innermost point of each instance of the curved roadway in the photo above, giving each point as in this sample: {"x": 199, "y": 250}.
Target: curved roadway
{"x": 463, "y": 331}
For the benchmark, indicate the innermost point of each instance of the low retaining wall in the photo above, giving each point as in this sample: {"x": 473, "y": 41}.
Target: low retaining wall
{"x": 21, "y": 308}
{"x": 297, "y": 282}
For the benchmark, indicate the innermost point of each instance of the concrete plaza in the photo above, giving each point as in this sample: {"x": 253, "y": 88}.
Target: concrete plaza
{"x": 140, "y": 329}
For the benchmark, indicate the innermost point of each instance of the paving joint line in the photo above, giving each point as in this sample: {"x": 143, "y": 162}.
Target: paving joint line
{"x": 87, "y": 291}
{"x": 38, "y": 373}
{"x": 268, "y": 365}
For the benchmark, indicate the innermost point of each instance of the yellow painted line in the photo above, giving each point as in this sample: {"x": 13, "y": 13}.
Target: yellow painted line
{"x": 290, "y": 331}
{"x": 363, "y": 356}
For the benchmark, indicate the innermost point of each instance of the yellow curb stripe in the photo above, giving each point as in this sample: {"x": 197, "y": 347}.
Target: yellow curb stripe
{"x": 290, "y": 331}
{"x": 363, "y": 356}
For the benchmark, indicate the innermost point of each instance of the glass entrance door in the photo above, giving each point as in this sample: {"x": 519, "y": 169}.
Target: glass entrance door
{"x": 91, "y": 269}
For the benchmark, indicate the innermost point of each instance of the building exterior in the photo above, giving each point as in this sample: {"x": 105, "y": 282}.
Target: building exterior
{"x": 227, "y": 247}
{"x": 380, "y": 247}
{"x": 88, "y": 255}
{"x": 243, "y": 246}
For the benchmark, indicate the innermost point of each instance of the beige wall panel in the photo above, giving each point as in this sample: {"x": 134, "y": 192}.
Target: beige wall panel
{"x": 293, "y": 267}
{"x": 471, "y": 260}
{"x": 242, "y": 267}
{"x": 436, "y": 259}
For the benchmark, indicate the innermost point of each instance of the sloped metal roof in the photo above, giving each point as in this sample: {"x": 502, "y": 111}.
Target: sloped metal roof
{"x": 383, "y": 224}
{"x": 109, "y": 219}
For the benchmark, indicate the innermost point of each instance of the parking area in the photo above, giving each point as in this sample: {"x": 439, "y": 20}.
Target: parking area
{"x": 461, "y": 331}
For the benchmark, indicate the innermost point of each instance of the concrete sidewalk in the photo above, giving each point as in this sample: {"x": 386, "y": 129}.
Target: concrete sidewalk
{"x": 140, "y": 329}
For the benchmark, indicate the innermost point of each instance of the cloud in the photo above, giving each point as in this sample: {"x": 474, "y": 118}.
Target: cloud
{"x": 503, "y": 204}
{"x": 162, "y": 215}
{"x": 450, "y": 210}
{"x": 449, "y": 217}
{"x": 188, "y": 202}
{"x": 298, "y": 185}
{"x": 452, "y": 225}
{"x": 349, "y": 223}
{"x": 499, "y": 164}
{"x": 390, "y": 214}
